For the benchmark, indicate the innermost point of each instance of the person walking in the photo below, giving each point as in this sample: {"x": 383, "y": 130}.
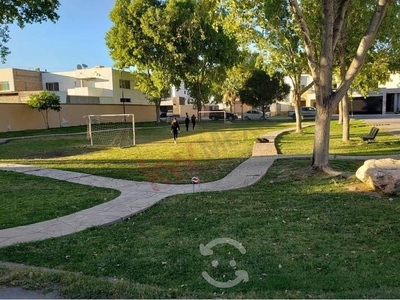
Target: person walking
{"x": 193, "y": 121}
{"x": 187, "y": 122}
{"x": 175, "y": 128}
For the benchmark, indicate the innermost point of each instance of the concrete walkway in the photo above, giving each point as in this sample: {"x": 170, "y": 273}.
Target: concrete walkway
{"x": 135, "y": 196}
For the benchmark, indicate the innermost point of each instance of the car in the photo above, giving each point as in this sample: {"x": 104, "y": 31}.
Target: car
{"x": 219, "y": 115}
{"x": 166, "y": 116}
{"x": 254, "y": 114}
{"x": 307, "y": 112}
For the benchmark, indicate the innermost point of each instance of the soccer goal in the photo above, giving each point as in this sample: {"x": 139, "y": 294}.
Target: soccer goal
{"x": 111, "y": 130}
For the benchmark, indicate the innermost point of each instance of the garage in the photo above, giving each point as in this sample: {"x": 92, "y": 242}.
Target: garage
{"x": 369, "y": 105}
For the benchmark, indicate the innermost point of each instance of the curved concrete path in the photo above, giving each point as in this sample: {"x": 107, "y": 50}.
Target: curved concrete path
{"x": 135, "y": 196}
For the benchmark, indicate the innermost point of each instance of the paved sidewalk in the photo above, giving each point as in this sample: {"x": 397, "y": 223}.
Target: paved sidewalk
{"x": 135, "y": 196}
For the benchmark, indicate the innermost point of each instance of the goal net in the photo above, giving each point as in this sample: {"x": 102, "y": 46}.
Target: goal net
{"x": 116, "y": 130}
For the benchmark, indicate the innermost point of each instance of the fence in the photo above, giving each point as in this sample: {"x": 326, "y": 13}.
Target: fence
{"x": 15, "y": 117}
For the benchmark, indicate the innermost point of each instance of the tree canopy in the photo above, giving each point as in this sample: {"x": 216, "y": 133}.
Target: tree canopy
{"x": 141, "y": 37}
{"x": 23, "y": 12}
{"x": 208, "y": 52}
{"x": 228, "y": 90}
{"x": 43, "y": 102}
{"x": 171, "y": 41}
{"x": 321, "y": 57}
{"x": 261, "y": 90}
{"x": 167, "y": 42}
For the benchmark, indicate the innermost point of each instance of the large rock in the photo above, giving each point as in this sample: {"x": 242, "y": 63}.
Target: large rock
{"x": 382, "y": 174}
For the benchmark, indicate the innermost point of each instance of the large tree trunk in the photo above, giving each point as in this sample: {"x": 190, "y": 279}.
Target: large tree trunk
{"x": 46, "y": 118}
{"x": 320, "y": 159}
{"x": 296, "y": 100}
{"x": 158, "y": 111}
{"x": 344, "y": 103}
{"x": 340, "y": 120}
{"x": 297, "y": 111}
{"x": 322, "y": 68}
{"x": 346, "y": 119}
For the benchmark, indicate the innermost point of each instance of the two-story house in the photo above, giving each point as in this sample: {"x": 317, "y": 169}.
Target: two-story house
{"x": 97, "y": 85}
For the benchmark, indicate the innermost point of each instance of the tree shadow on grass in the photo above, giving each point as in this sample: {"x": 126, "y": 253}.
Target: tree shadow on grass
{"x": 308, "y": 238}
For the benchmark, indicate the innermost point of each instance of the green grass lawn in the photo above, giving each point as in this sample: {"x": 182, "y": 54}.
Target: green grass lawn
{"x": 62, "y": 130}
{"x": 210, "y": 152}
{"x": 41, "y": 132}
{"x": 305, "y": 237}
{"x": 386, "y": 144}
{"x": 27, "y": 199}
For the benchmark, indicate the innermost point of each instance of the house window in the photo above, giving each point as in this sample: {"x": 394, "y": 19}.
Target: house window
{"x": 52, "y": 86}
{"x": 125, "y": 84}
{"x": 4, "y": 86}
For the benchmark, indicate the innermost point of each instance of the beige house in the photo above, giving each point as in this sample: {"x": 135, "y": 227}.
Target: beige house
{"x": 17, "y": 84}
{"x": 97, "y": 85}
{"x": 84, "y": 91}
{"x": 385, "y": 100}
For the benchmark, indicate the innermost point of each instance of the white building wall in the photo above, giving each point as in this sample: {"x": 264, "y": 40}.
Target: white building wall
{"x": 102, "y": 82}
{"x": 392, "y": 86}
{"x": 392, "y": 83}
{"x": 136, "y": 96}
{"x": 65, "y": 80}
{"x": 181, "y": 92}
{"x": 63, "y": 96}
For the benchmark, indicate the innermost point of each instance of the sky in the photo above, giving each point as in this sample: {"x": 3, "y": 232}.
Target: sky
{"x": 76, "y": 38}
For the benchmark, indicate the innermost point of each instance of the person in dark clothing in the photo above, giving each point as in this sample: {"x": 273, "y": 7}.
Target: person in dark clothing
{"x": 175, "y": 129}
{"x": 187, "y": 122}
{"x": 193, "y": 121}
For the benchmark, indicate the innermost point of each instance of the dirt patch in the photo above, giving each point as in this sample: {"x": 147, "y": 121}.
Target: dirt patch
{"x": 364, "y": 189}
{"x": 59, "y": 153}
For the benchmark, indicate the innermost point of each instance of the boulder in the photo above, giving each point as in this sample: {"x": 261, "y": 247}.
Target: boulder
{"x": 381, "y": 174}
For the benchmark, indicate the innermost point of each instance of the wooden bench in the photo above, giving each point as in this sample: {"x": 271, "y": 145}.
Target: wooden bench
{"x": 372, "y": 134}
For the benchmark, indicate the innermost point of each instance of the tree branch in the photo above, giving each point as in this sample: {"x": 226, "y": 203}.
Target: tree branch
{"x": 306, "y": 88}
{"x": 338, "y": 24}
{"x": 363, "y": 47}
{"x": 310, "y": 51}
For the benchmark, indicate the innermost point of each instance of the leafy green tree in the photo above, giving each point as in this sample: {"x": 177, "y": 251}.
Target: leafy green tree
{"x": 320, "y": 24}
{"x": 321, "y": 64}
{"x": 207, "y": 50}
{"x": 167, "y": 42}
{"x": 261, "y": 90}
{"x": 143, "y": 37}
{"x": 236, "y": 76}
{"x": 43, "y": 102}
{"x": 281, "y": 49}
{"x": 379, "y": 61}
{"x": 23, "y": 12}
